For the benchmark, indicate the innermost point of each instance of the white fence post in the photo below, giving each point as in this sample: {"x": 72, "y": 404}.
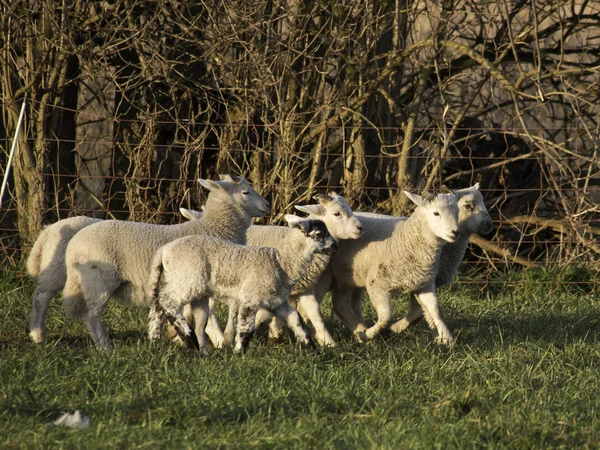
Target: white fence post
{"x": 12, "y": 152}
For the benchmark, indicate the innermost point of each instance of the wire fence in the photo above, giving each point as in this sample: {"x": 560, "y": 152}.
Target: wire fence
{"x": 367, "y": 99}
{"x": 523, "y": 243}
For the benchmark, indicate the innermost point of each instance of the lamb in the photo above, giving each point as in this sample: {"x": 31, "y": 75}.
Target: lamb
{"x": 195, "y": 268}
{"x": 113, "y": 258}
{"x": 46, "y": 266}
{"x": 392, "y": 257}
{"x": 473, "y": 218}
{"x": 337, "y": 215}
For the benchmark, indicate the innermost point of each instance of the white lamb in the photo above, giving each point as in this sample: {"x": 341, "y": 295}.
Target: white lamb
{"x": 341, "y": 223}
{"x": 249, "y": 277}
{"x": 46, "y": 266}
{"x": 392, "y": 257}
{"x": 473, "y": 218}
{"x": 113, "y": 258}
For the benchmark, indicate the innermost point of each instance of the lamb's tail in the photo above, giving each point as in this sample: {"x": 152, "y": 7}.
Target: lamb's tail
{"x": 34, "y": 261}
{"x": 156, "y": 271}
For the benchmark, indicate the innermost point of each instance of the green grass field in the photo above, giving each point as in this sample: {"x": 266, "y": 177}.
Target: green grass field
{"x": 524, "y": 373}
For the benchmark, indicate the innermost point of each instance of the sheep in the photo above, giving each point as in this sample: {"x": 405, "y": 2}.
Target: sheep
{"x": 391, "y": 257}
{"x": 473, "y": 218}
{"x": 337, "y": 215}
{"x": 112, "y": 258}
{"x": 195, "y": 268}
{"x": 46, "y": 266}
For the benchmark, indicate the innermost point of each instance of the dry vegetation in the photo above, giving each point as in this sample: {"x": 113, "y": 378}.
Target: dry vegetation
{"x": 130, "y": 100}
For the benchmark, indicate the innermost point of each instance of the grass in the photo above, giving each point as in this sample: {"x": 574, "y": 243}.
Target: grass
{"x": 523, "y": 374}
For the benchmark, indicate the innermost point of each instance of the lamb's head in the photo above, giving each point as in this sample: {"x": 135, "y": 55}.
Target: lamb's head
{"x": 473, "y": 217}
{"x": 317, "y": 236}
{"x": 440, "y": 214}
{"x": 337, "y": 215}
{"x": 240, "y": 192}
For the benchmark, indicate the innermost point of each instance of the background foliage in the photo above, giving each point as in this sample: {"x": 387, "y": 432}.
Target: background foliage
{"x": 129, "y": 101}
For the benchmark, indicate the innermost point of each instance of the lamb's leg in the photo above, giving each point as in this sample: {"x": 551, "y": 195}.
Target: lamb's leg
{"x": 41, "y": 300}
{"x": 290, "y": 316}
{"x": 431, "y": 308}
{"x": 201, "y": 310}
{"x": 93, "y": 320}
{"x": 263, "y": 316}
{"x": 246, "y": 324}
{"x": 185, "y": 332}
{"x": 213, "y": 329}
{"x": 87, "y": 292}
{"x": 341, "y": 300}
{"x": 357, "y": 299}
{"x": 95, "y": 303}
{"x": 231, "y": 327}
{"x": 381, "y": 299}
{"x": 275, "y": 325}
{"x": 414, "y": 314}
{"x": 156, "y": 320}
{"x": 170, "y": 332}
{"x": 309, "y": 308}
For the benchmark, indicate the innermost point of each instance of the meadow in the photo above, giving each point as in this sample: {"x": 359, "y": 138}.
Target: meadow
{"x": 524, "y": 373}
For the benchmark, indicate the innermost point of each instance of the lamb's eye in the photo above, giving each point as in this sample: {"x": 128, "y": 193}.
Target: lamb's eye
{"x": 245, "y": 192}
{"x": 468, "y": 206}
{"x": 437, "y": 214}
{"x": 337, "y": 214}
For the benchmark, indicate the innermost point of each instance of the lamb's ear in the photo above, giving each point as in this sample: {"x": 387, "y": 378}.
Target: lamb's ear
{"x": 323, "y": 198}
{"x": 446, "y": 190}
{"x": 190, "y": 214}
{"x": 415, "y": 198}
{"x": 315, "y": 210}
{"x": 212, "y": 185}
{"x": 231, "y": 178}
{"x": 475, "y": 186}
{"x": 428, "y": 196}
{"x": 297, "y": 222}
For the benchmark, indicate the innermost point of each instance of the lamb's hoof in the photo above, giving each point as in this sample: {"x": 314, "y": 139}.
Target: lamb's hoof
{"x": 36, "y": 336}
{"x": 203, "y": 351}
{"x": 238, "y": 350}
{"x": 176, "y": 339}
{"x": 220, "y": 344}
{"x": 447, "y": 342}
{"x": 275, "y": 340}
{"x": 387, "y": 333}
{"x": 170, "y": 334}
{"x": 399, "y": 326}
{"x": 360, "y": 337}
{"x": 371, "y": 334}
{"x": 310, "y": 343}
{"x": 227, "y": 345}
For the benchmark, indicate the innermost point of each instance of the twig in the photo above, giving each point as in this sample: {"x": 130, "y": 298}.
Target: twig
{"x": 495, "y": 248}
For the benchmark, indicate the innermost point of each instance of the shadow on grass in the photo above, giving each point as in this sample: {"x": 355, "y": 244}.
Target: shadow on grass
{"x": 556, "y": 329}
{"x": 559, "y": 330}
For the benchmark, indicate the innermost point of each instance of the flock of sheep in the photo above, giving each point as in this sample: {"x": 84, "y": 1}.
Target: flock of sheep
{"x": 276, "y": 274}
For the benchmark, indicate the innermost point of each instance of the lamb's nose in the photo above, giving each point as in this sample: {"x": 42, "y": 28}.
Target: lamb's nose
{"x": 455, "y": 233}
{"x": 360, "y": 228}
